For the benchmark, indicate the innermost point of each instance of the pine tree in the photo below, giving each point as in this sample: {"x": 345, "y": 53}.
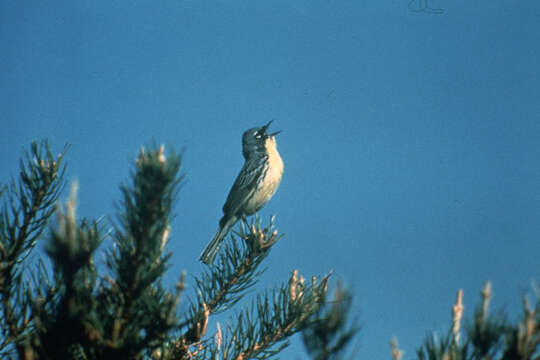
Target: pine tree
{"x": 74, "y": 309}
{"x": 486, "y": 336}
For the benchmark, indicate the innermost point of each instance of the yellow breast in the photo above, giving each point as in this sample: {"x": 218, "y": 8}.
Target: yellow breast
{"x": 275, "y": 164}
{"x": 271, "y": 180}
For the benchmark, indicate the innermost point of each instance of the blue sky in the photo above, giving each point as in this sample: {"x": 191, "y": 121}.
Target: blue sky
{"x": 411, "y": 141}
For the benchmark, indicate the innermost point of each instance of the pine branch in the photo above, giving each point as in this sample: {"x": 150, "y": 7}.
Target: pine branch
{"x": 131, "y": 313}
{"x": 138, "y": 307}
{"x": 62, "y": 321}
{"x": 26, "y": 209}
{"x": 523, "y": 340}
{"x": 262, "y": 332}
{"x": 328, "y": 333}
{"x": 489, "y": 336}
{"x": 222, "y": 285}
{"x": 485, "y": 336}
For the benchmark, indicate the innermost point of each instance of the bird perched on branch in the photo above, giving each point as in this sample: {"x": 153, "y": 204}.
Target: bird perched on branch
{"x": 255, "y": 185}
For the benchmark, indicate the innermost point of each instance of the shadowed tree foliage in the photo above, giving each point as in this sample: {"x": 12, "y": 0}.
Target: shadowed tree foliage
{"x": 66, "y": 307}
{"x": 486, "y": 336}
{"x": 329, "y": 333}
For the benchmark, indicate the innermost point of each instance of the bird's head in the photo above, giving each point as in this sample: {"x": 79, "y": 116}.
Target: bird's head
{"x": 255, "y": 139}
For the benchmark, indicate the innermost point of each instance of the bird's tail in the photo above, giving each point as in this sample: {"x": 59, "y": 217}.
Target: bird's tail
{"x": 209, "y": 253}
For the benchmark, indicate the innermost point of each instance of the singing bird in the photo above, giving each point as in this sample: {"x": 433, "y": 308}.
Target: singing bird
{"x": 256, "y": 183}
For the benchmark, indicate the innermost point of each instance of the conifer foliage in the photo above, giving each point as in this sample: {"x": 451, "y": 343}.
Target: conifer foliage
{"x": 67, "y": 307}
{"x": 484, "y": 336}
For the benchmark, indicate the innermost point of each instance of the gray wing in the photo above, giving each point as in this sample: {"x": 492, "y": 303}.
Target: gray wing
{"x": 244, "y": 186}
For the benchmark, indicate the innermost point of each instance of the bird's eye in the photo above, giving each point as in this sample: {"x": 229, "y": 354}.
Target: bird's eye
{"x": 257, "y": 135}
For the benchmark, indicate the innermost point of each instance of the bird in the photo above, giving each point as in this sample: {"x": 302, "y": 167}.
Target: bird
{"x": 254, "y": 186}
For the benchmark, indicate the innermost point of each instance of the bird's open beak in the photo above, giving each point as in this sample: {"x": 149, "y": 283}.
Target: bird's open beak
{"x": 265, "y": 127}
